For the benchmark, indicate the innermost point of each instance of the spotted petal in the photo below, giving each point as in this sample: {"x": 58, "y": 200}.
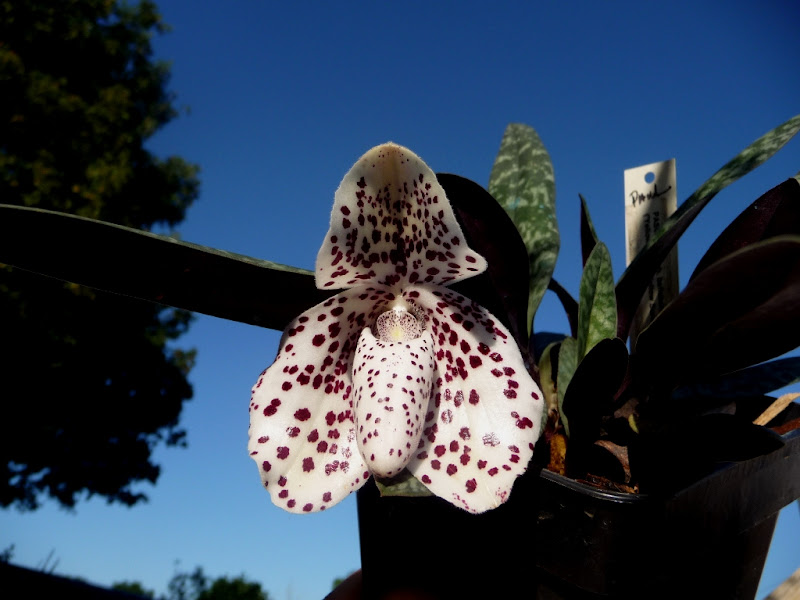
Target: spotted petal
{"x": 392, "y": 223}
{"x": 302, "y": 430}
{"x": 392, "y": 384}
{"x": 485, "y": 410}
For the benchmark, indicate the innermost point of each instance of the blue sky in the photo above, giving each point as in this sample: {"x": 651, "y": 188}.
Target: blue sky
{"x": 284, "y": 97}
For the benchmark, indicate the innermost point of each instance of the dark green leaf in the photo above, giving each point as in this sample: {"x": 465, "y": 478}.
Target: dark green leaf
{"x": 588, "y": 234}
{"x": 590, "y": 394}
{"x": 156, "y": 268}
{"x": 597, "y": 307}
{"x": 567, "y": 363}
{"x": 740, "y": 311}
{"x": 568, "y": 302}
{"x": 753, "y": 381}
{"x": 502, "y": 288}
{"x": 522, "y": 180}
{"x": 634, "y": 280}
{"x": 775, "y": 213}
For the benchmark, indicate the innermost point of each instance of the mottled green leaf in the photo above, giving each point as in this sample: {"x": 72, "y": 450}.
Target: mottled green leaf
{"x": 597, "y": 306}
{"x": 156, "y": 268}
{"x": 546, "y": 380}
{"x": 588, "y": 234}
{"x": 567, "y": 363}
{"x": 634, "y": 280}
{"x": 403, "y": 484}
{"x": 522, "y": 181}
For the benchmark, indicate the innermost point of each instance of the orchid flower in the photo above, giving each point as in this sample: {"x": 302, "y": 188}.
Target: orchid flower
{"x": 397, "y": 371}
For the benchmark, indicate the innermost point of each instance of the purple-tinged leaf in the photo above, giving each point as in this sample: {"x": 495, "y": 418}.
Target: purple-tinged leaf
{"x": 753, "y": 381}
{"x": 631, "y": 286}
{"x": 588, "y": 234}
{"x": 391, "y": 223}
{"x": 591, "y": 391}
{"x": 568, "y": 302}
{"x": 740, "y": 311}
{"x": 155, "y": 268}
{"x": 775, "y": 213}
{"x": 503, "y": 288}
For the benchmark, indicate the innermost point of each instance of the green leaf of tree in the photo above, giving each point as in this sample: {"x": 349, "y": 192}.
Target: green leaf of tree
{"x": 597, "y": 306}
{"x": 522, "y": 180}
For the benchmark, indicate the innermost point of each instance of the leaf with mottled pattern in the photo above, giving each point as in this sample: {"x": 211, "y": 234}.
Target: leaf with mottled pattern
{"x": 597, "y": 307}
{"x": 522, "y": 180}
{"x": 567, "y": 363}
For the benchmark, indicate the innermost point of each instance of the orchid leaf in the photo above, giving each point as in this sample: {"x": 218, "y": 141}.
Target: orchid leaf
{"x": 567, "y": 363}
{"x": 154, "y": 267}
{"x": 543, "y": 339}
{"x": 502, "y": 288}
{"x": 404, "y": 484}
{"x": 523, "y": 182}
{"x": 588, "y": 234}
{"x": 634, "y": 280}
{"x": 777, "y": 212}
{"x": 753, "y": 381}
{"x": 547, "y": 381}
{"x": 592, "y": 389}
{"x": 740, "y": 311}
{"x": 569, "y": 304}
{"x": 597, "y": 308}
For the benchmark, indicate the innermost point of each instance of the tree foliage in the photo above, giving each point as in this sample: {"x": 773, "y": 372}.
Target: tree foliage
{"x": 89, "y": 381}
{"x": 196, "y": 585}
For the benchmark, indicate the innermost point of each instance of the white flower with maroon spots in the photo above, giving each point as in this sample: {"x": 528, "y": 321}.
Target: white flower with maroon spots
{"x": 396, "y": 371}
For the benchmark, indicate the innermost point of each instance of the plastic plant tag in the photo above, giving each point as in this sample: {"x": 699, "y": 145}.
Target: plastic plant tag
{"x": 650, "y": 198}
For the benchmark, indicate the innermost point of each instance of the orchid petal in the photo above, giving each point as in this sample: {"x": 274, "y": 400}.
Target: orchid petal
{"x": 485, "y": 410}
{"x": 302, "y": 430}
{"x": 392, "y": 224}
{"x": 392, "y": 384}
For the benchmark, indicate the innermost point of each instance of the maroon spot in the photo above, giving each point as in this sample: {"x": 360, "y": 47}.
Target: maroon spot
{"x": 464, "y": 433}
{"x": 266, "y": 466}
{"x": 322, "y": 446}
{"x": 464, "y": 459}
{"x": 436, "y": 465}
{"x": 514, "y": 458}
{"x": 523, "y": 423}
{"x": 439, "y": 450}
{"x": 483, "y": 349}
{"x": 326, "y": 497}
{"x": 473, "y": 397}
{"x": 481, "y": 464}
{"x": 454, "y": 446}
{"x": 270, "y": 410}
{"x": 492, "y": 471}
{"x": 302, "y": 414}
{"x": 452, "y": 469}
{"x": 475, "y": 361}
{"x": 471, "y": 485}
{"x": 313, "y": 436}
{"x": 282, "y": 481}
{"x": 308, "y": 507}
{"x": 287, "y": 385}
{"x": 330, "y": 418}
{"x": 508, "y": 371}
{"x": 263, "y": 439}
{"x": 496, "y": 357}
{"x": 426, "y": 479}
{"x": 308, "y": 464}
{"x": 465, "y": 348}
{"x": 291, "y": 503}
{"x": 283, "y": 452}
{"x": 318, "y": 340}
{"x": 292, "y": 431}
{"x": 509, "y": 393}
{"x": 283, "y": 494}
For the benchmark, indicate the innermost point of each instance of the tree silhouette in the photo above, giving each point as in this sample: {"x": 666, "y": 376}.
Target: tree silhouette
{"x": 89, "y": 381}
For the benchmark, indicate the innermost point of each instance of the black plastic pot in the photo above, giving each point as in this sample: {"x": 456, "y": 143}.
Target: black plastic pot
{"x": 558, "y": 539}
